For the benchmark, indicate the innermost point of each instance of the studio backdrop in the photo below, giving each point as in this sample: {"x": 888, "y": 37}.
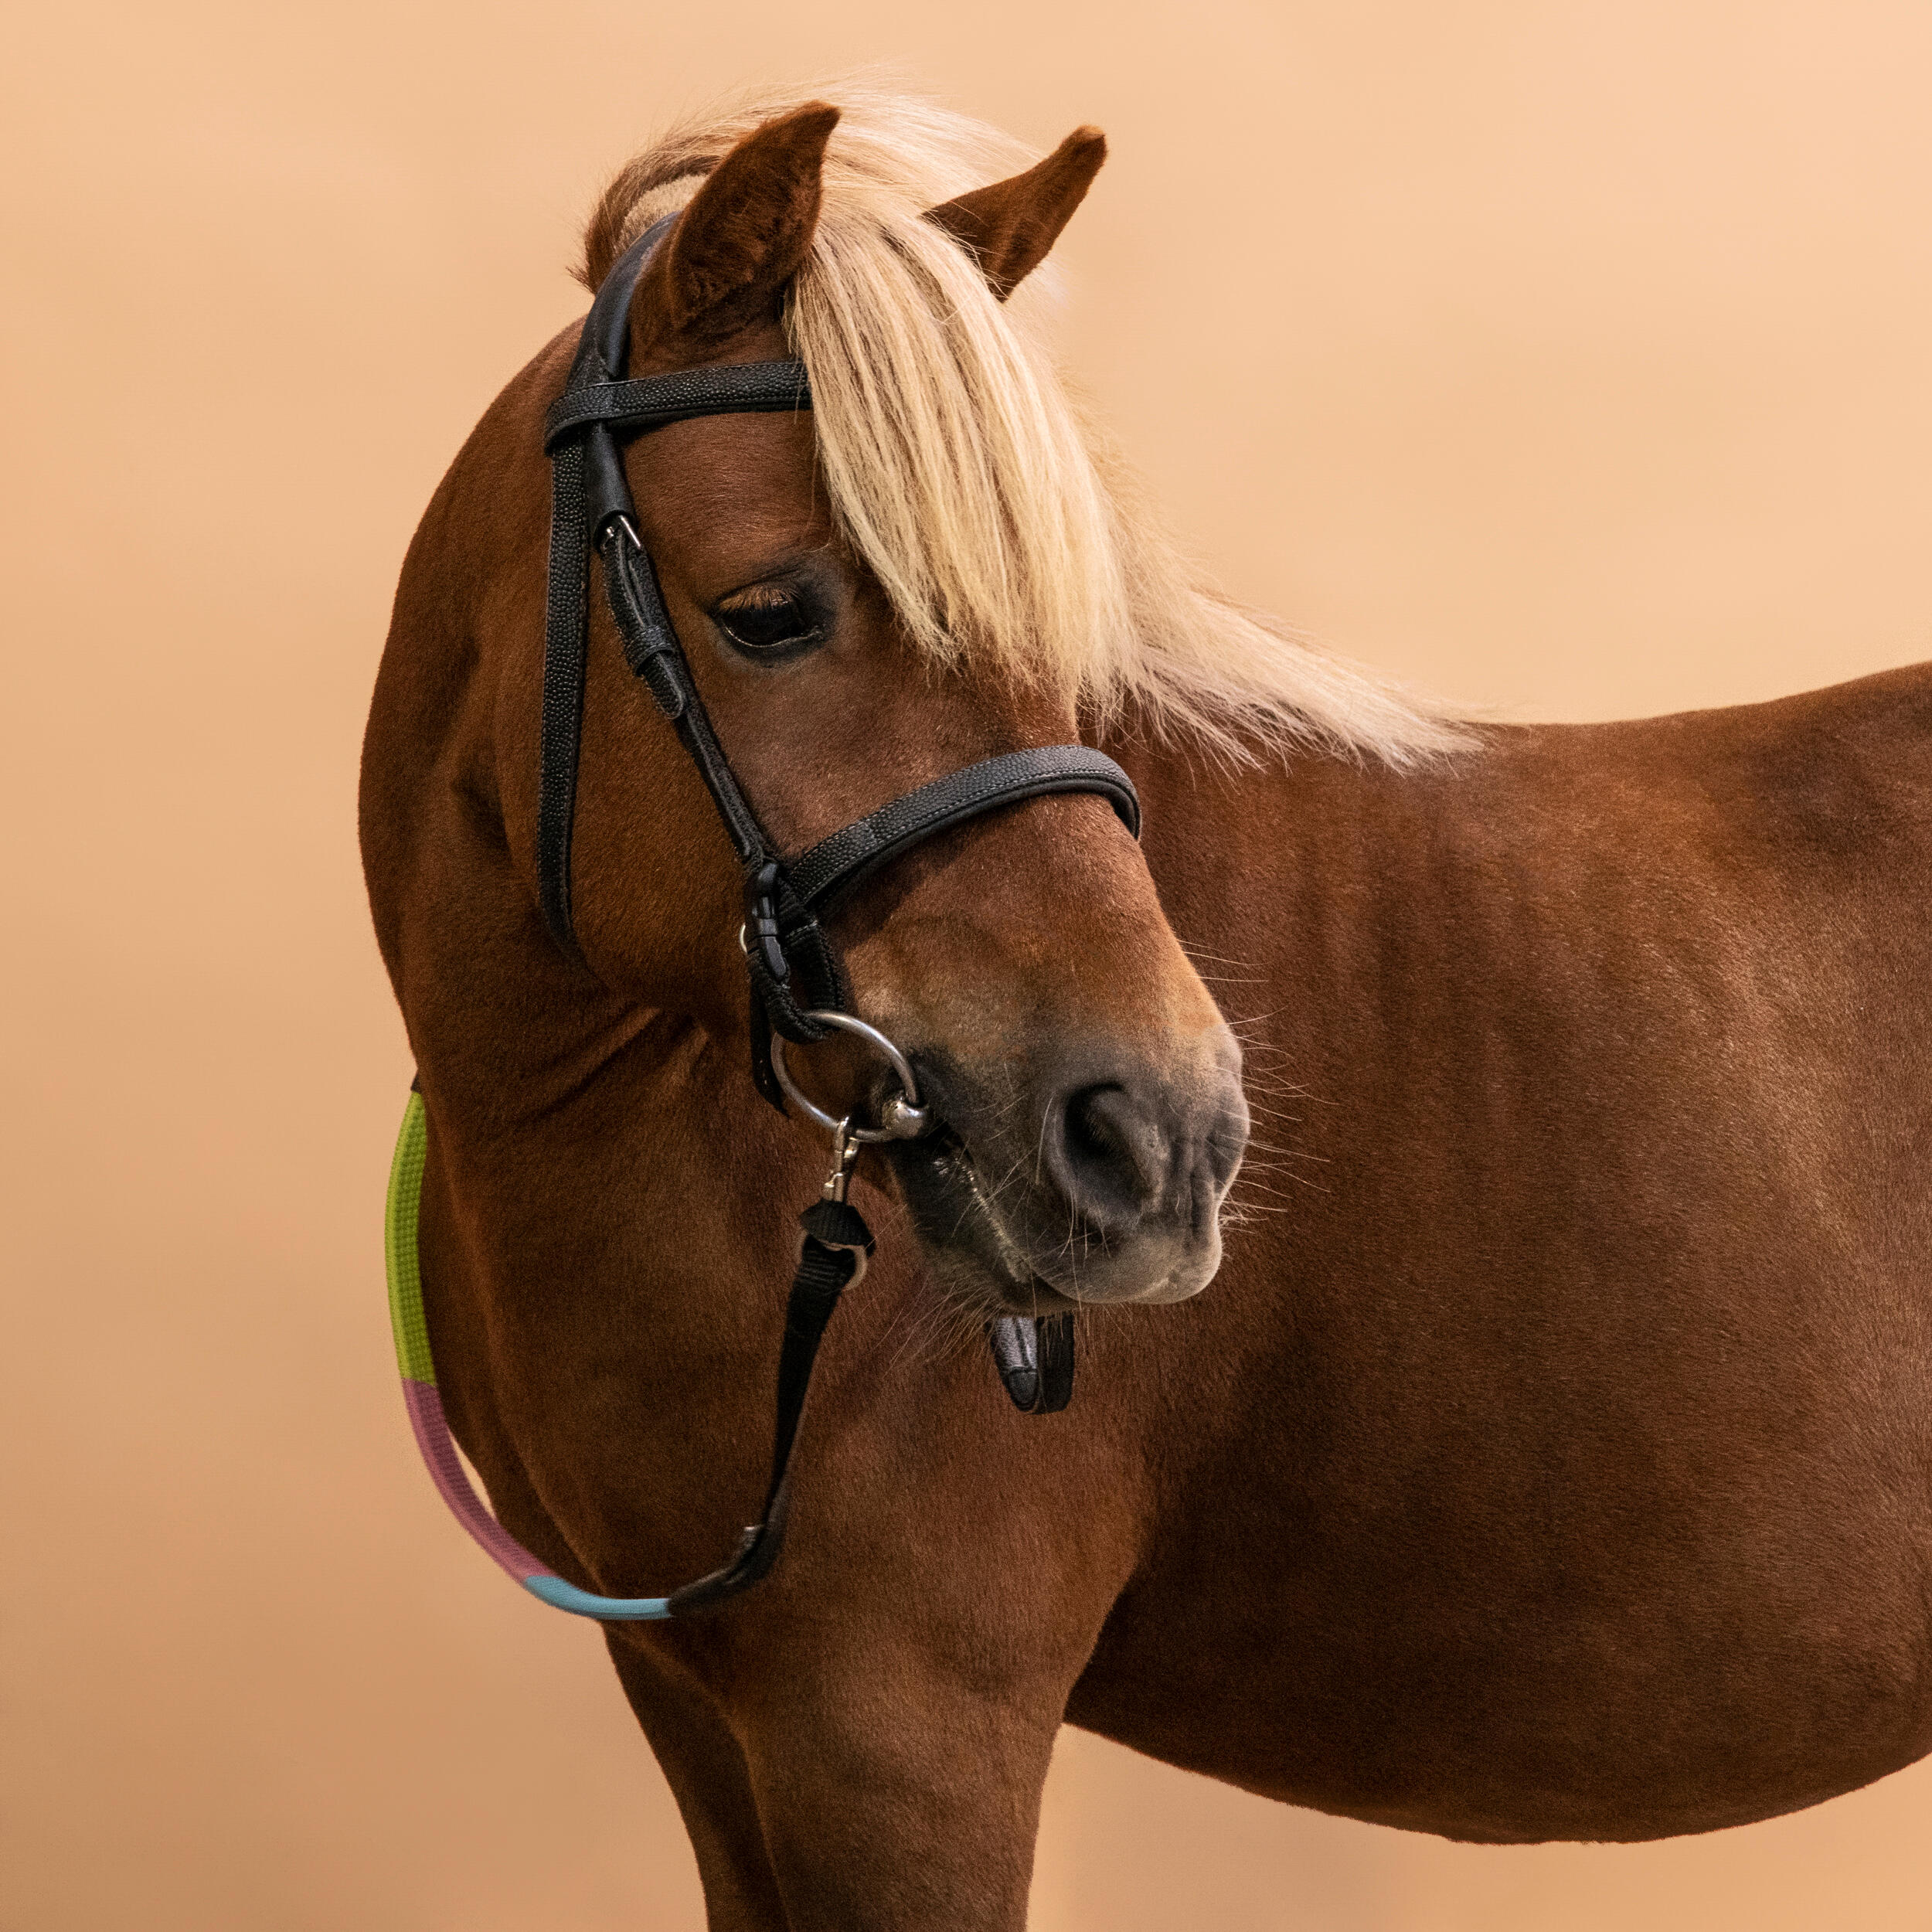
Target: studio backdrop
{"x": 1573, "y": 361}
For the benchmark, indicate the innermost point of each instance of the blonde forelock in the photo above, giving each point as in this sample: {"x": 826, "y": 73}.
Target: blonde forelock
{"x": 960, "y": 472}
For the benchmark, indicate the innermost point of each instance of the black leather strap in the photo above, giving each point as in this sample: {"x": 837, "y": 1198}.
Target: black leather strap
{"x": 589, "y": 495}
{"x": 833, "y": 866}
{"x": 651, "y": 649}
{"x": 565, "y": 620}
{"x": 834, "y": 1245}
{"x": 648, "y": 402}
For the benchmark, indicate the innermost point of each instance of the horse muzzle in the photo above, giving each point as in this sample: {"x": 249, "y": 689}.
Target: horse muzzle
{"x": 1100, "y": 1181}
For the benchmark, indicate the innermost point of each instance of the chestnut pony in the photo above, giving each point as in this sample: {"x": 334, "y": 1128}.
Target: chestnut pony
{"x": 1552, "y": 1456}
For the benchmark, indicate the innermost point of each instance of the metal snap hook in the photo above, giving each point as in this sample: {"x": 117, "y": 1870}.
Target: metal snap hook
{"x": 844, "y": 1158}
{"x": 902, "y": 1117}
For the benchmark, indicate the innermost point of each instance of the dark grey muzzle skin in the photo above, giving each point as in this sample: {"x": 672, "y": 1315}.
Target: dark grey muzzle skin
{"x": 1090, "y": 1174}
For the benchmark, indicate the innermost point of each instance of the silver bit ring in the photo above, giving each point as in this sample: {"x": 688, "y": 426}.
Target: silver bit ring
{"x": 902, "y": 1117}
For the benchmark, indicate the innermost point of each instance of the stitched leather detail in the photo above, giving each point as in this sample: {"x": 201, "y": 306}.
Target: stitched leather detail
{"x": 643, "y": 627}
{"x": 648, "y": 402}
{"x": 834, "y": 866}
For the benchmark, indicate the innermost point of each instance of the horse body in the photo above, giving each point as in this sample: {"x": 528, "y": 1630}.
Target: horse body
{"x": 1550, "y": 1458}
{"x": 1559, "y": 1465}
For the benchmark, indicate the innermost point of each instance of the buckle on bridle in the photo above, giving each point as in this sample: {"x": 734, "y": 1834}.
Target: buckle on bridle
{"x": 758, "y": 936}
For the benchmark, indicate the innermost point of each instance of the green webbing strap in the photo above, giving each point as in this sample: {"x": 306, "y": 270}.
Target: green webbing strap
{"x": 398, "y": 1245}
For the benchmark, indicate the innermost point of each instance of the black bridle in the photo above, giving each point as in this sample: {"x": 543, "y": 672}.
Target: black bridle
{"x": 797, "y": 987}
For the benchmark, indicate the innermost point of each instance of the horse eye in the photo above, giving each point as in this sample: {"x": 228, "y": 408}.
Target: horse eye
{"x": 769, "y": 623}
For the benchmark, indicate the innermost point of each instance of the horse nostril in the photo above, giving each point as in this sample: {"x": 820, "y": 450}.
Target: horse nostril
{"x": 1127, "y": 1153}
{"x": 1112, "y": 1155}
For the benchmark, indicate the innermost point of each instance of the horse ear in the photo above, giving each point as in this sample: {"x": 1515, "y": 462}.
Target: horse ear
{"x": 740, "y": 240}
{"x": 1008, "y": 227}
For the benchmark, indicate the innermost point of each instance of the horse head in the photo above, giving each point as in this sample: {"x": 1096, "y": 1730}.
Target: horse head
{"x": 850, "y": 645}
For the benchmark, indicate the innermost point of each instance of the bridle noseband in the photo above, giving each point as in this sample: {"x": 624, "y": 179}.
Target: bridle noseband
{"x": 798, "y": 991}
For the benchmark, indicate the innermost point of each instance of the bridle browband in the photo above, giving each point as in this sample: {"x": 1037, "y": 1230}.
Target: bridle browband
{"x": 797, "y": 987}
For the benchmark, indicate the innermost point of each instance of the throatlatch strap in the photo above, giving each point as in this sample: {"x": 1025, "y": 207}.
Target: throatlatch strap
{"x": 566, "y": 620}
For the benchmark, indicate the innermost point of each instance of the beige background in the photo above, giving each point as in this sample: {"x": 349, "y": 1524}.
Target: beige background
{"x": 1575, "y": 358}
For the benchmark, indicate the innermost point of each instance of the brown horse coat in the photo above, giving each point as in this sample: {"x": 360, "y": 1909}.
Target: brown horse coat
{"x": 1549, "y": 1457}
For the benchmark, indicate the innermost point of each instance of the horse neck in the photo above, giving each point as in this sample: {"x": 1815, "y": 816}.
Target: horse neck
{"x": 1232, "y": 850}
{"x": 1314, "y": 894}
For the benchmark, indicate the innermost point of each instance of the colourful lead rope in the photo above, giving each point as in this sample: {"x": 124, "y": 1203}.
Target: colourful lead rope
{"x": 426, "y": 1405}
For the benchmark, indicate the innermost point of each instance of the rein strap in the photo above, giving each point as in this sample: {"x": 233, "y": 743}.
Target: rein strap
{"x": 834, "y": 1245}
{"x": 794, "y": 973}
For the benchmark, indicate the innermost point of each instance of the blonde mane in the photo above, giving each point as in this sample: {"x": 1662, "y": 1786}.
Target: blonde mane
{"x": 962, "y": 475}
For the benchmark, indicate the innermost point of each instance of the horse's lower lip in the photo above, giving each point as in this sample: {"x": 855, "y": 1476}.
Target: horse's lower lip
{"x": 956, "y": 1221}
{"x": 1035, "y": 1297}
{"x": 974, "y": 1254}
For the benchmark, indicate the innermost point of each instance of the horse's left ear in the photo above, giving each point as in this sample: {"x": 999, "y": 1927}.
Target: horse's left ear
{"x": 1009, "y": 227}
{"x": 739, "y": 241}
